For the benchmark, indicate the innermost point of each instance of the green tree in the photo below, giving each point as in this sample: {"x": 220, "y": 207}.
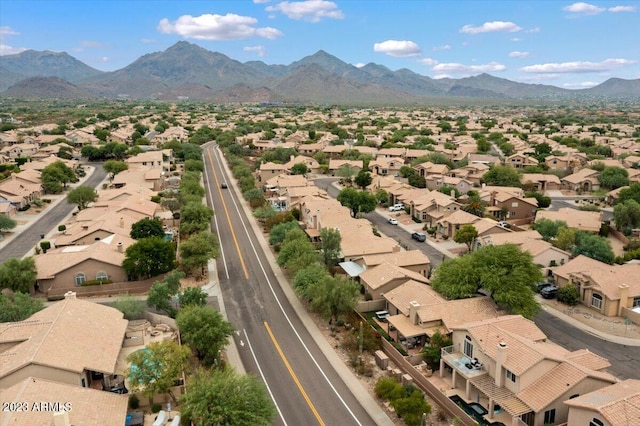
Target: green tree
{"x": 82, "y": 196}
{"x": 307, "y": 278}
{"x": 7, "y": 223}
{"x": 195, "y": 217}
{"x": 192, "y": 296}
{"x": 543, "y": 200}
{"x": 149, "y": 257}
{"x": 197, "y": 250}
{"x": 330, "y": 246}
{"x": 630, "y": 193}
{"x": 159, "y": 297}
{"x": 565, "y": 238}
{"x": 157, "y": 368}
{"x": 569, "y": 295}
{"x": 299, "y": 169}
{"x": 279, "y": 231}
{"x": 346, "y": 172}
{"x": 593, "y": 246}
{"x": 449, "y": 190}
{"x": 466, "y": 235}
{"x": 483, "y": 145}
{"x": 506, "y": 272}
{"x": 334, "y": 296}
{"x": 363, "y": 179}
{"x": 205, "y": 330}
{"x": 255, "y": 197}
{"x": 411, "y": 407}
{"x": 357, "y": 201}
{"x": 56, "y": 176}
{"x": 225, "y": 398}
{"x": 296, "y": 251}
{"x": 548, "y": 228}
{"x": 626, "y": 215}
{"x": 131, "y": 307}
{"x": 502, "y": 176}
{"x": 432, "y": 352}
{"x": 18, "y": 275}
{"x": 115, "y": 166}
{"x": 613, "y": 177}
{"x": 18, "y": 306}
{"x": 474, "y": 205}
{"x": 146, "y": 227}
{"x": 382, "y": 196}
{"x": 194, "y": 165}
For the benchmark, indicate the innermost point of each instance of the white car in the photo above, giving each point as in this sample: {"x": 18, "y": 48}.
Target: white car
{"x": 396, "y": 207}
{"x": 392, "y": 221}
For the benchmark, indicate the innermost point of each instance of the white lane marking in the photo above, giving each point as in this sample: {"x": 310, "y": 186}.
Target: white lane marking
{"x": 215, "y": 220}
{"x": 255, "y": 359}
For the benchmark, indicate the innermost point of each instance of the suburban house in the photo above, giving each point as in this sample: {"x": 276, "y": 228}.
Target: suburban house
{"x": 152, "y": 178}
{"x": 541, "y": 182}
{"x": 432, "y": 206}
{"x": 543, "y": 253}
{"x": 357, "y": 235}
{"x": 19, "y": 150}
{"x": 582, "y": 220}
{"x": 435, "y": 182}
{"x": 472, "y": 172}
{"x": 155, "y": 159}
{"x": 335, "y": 165}
{"x": 614, "y": 405}
{"x": 584, "y": 180}
{"x": 413, "y": 260}
{"x": 504, "y": 205}
{"x": 72, "y": 341}
{"x": 613, "y": 290}
{"x": 84, "y": 406}
{"x": 385, "y": 277}
{"x": 276, "y": 187}
{"x": 6, "y": 208}
{"x": 483, "y": 160}
{"x": 449, "y": 225}
{"x": 507, "y": 365}
{"x": 269, "y": 170}
{"x": 19, "y": 192}
{"x": 520, "y": 160}
{"x": 566, "y": 163}
{"x": 63, "y": 269}
{"x": 312, "y": 165}
{"x": 386, "y": 166}
{"x": 417, "y": 312}
{"x": 429, "y": 169}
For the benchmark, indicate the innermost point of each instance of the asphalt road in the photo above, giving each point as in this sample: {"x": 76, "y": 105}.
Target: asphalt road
{"x": 392, "y": 231}
{"x": 22, "y": 244}
{"x": 624, "y": 359}
{"x": 272, "y": 340}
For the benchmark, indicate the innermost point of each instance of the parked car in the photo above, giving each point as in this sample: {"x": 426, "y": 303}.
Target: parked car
{"x": 382, "y": 315}
{"x": 396, "y": 207}
{"x": 392, "y": 221}
{"x": 549, "y": 292}
{"x": 223, "y": 185}
{"x": 541, "y": 285}
{"x": 419, "y": 236}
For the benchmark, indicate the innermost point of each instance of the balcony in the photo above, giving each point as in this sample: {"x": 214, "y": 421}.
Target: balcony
{"x": 462, "y": 363}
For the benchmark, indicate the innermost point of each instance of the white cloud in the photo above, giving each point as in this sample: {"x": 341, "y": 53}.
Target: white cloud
{"x": 428, "y": 61}
{"x": 518, "y": 54}
{"x": 261, "y": 1}
{"x": 538, "y": 77}
{"x": 582, "y": 84}
{"x": 10, "y": 50}
{"x": 617, "y": 9}
{"x": 585, "y": 8}
{"x": 259, "y": 49}
{"x": 105, "y": 59}
{"x": 445, "y": 47}
{"x": 533, "y": 30}
{"x": 309, "y": 10}
{"x": 397, "y": 48}
{"x": 441, "y": 76}
{"x": 489, "y": 27}
{"x": 6, "y": 30}
{"x": 516, "y": 39}
{"x": 456, "y": 68}
{"x": 359, "y": 65}
{"x": 147, "y": 40}
{"x": 578, "y": 66}
{"x": 217, "y": 27}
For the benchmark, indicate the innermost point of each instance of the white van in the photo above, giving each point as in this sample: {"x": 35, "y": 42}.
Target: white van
{"x": 396, "y": 207}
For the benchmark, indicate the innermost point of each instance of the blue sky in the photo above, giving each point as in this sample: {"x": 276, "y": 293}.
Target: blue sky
{"x": 563, "y": 43}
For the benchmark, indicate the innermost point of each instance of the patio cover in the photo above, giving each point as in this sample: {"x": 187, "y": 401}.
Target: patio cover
{"x": 351, "y": 268}
{"x": 405, "y": 327}
{"x": 503, "y": 396}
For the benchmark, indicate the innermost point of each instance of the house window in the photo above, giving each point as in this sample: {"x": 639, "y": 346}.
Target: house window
{"x": 636, "y": 302}
{"x": 80, "y": 279}
{"x": 550, "y": 416}
{"x": 102, "y": 276}
{"x": 514, "y": 204}
{"x": 468, "y": 347}
{"x": 596, "y": 301}
{"x": 511, "y": 376}
{"x": 513, "y": 214}
{"x": 596, "y": 422}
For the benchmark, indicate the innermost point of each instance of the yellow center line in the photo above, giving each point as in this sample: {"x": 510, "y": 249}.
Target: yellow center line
{"x": 226, "y": 212}
{"x": 293, "y": 375}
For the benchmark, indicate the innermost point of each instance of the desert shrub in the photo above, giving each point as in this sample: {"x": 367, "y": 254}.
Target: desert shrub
{"x": 569, "y": 295}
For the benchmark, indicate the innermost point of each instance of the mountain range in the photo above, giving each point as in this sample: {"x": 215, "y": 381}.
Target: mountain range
{"x": 188, "y": 71}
